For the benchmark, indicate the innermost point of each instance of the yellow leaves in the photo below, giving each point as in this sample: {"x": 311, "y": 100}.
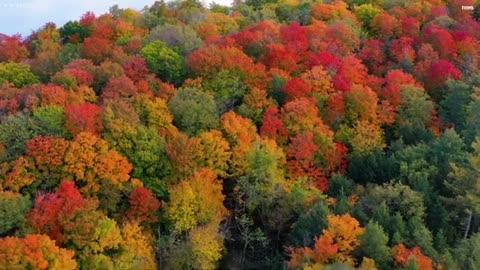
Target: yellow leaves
{"x": 106, "y": 235}
{"x": 181, "y": 207}
{"x": 137, "y": 252}
{"x": 198, "y": 199}
{"x": 16, "y": 174}
{"x": 367, "y": 136}
{"x": 207, "y": 246}
{"x": 158, "y": 113}
{"x": 215, "y": 152}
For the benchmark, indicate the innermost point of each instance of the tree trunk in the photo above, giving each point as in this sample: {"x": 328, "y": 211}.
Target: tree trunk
{"x": 469, "y": 222}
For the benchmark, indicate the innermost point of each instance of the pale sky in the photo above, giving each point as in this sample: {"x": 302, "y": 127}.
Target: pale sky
{"x": 23, "y": 16}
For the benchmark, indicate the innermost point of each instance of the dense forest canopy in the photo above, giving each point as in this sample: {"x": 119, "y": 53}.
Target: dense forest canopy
{"x": 272, "y": 134}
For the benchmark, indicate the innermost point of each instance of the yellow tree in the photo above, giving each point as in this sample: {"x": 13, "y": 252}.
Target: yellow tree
{"x": 136, "y": 249}
{"x": 196, "y": 200}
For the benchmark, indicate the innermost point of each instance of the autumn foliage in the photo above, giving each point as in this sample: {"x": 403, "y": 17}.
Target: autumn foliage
{"x": 260, "y": 135}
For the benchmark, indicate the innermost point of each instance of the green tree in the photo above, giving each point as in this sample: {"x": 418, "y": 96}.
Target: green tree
{"x": 467, "y": 253}
{"x": 13, "y": 208}
{"x": 193, "y": 110}
{"x": 15, "y": 130}
{"x": 182, "y": 37}
{"x": 51, "y": 120}
{"x": 374, "y": 245}
{"x": 17, "y": 74}
{"x": 309, "y": 224}
{"x": 453, "y": 107}
{"x": 166, "y": 63}
{"x": 463, "y": 184}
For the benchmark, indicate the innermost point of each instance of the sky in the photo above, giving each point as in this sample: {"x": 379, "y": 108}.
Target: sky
{"x": 23, "y": 16}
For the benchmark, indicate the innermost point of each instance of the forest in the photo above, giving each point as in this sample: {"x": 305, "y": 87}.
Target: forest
{"x": 269, "y": 134}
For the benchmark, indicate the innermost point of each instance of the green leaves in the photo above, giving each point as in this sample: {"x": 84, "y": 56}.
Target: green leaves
{"x": 167, "y": 64}
{"x": 17, "y": 74}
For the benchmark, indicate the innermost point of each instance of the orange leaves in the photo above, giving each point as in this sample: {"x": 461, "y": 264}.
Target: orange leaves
{"x": 403, "y": 255}
{"x": 47, "y": 152}
{"x": 17, "y": 174}
{"x": 336, "y": 243}
{"x": 112, "y": 167}
{"x": 344, "y": 230}
{"x": 88, "y": 159}
{"x": 34, "y": 252}
{"x": 210, "y": 60}
{"x": 323, "y": 251}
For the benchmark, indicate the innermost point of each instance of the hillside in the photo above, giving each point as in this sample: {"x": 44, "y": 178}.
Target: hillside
{"x": 271, "y": 134}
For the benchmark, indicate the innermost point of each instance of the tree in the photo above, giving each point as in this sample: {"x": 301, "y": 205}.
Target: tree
{"x": 374, "y": 245}
{"x": 84, "y": 117}
{"x": 15, "y": 130}
{"x": 309, "y": 225}
{"x": 119, "y": 88}
{"x": 196, "y": 200}
{"x": 34, "y": 251}
{"x": 215, "y": 152}
{"x": 167, "y": 64}
{"x": 89, "y": 161}
{"x": 47, "y": 152}
{"x": 210, "y": 60}
{"x": 463, "y": 183}
{"x": 403, "y": 257}
{"x": 13, "y": 207}
{"x": 466, "y": 253}
{"x": 143, "y": 206}
{"x": 97, "y": 49}
{"x": 12, "y": 48}
{"x": 137, "y": 251}
{"x": 438, "y": 73}
{"x": 17, "y": 74}
{"x": 337, "y": 242}
{"x": 207, "y": 246}
{"x": 193, "y": 111}
{"x": 183, "y": 37}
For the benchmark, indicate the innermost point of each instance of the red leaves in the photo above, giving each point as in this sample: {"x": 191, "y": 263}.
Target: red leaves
{"x": 296, "y": 88}
{"x": 441, "y": 40}
{"x": 12, "y": 48}
{"x": 439, "y": 73}
{"x": 395, "y": 79}
{"x": 136, "y": 68}
{"x": 97, "y": 49}
{"x": 294, "y": 37}
{"x": 142, "y": 205}
{"x": 52, "y": 209}
{"x": 121, "y": 87}
{"x": 279, "y": 56}
{"x": 272, "y": 126}
{"x": 83, "y": 117}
